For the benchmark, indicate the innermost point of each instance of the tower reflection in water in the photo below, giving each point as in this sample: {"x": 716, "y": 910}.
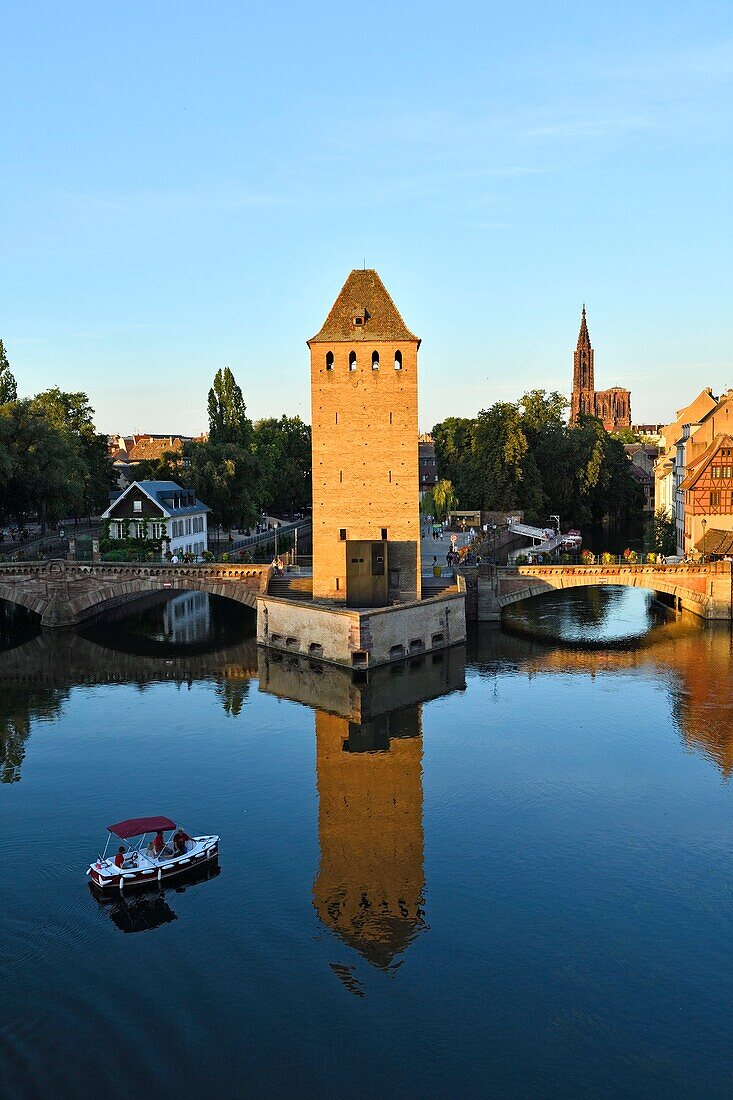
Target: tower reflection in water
{"x": 370, "y": 884}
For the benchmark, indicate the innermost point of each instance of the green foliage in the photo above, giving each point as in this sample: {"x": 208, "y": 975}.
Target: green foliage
{"x": 44, "y": 472}
{"x": 283, "y": 450}
{"x": 440, "y": 500}
{"x": 72, "y": 416}
{"x": 524, "y": 457}
{"x": 8, "y": 388}
{"x": 228, "y": 421}
{"x": 626, "y": 435}
{"x": 663, "y": 533}
{"x": 225, "y": 477}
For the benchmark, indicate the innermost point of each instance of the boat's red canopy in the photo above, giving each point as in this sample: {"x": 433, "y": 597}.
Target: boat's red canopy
{"x": 136, "y": 826}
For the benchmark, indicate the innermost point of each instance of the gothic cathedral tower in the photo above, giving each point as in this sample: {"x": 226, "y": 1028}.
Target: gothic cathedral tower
{"x": 366, "y": 523}
{"x": 583, "y": 402}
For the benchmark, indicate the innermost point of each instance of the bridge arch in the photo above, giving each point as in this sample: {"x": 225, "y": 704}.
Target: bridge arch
{"x": 706, "y": 590}
{"x": 67, "y": 593}
{"x": 21, "y": 598}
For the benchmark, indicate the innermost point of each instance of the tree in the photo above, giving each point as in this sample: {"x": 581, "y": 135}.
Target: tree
{"x": 664, "y": 534}
{"x": 283, "y": 450}
{"x": 225, "y": 477}
{"x": 444, "y": 499}
{"x": 8, "y": 388}
{"x": 46, "y": 471}
{"x": 72, "y": 416}
{"x": 228, "y": 421}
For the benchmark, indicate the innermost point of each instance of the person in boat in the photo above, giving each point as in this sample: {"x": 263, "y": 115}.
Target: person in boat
{"x": 120, "y": 857}
{"x": 158, "y": 845}
{"x": 179, "y": 842}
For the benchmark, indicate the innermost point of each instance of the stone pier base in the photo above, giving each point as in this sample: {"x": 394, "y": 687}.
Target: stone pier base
{"x": 360, "y": 638}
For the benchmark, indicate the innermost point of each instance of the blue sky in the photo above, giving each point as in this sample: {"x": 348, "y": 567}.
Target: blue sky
{"x": 185, "y": 187}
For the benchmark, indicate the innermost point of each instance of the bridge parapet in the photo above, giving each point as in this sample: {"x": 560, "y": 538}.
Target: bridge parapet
{"x": 65, "y": 593}
{"x": 705, "y": 589}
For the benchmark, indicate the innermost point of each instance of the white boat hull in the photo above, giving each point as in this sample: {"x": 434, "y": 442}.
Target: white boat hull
{"x": 147, "y": 870}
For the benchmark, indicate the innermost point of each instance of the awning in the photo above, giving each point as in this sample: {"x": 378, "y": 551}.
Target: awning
{"x": 136, "y": 826}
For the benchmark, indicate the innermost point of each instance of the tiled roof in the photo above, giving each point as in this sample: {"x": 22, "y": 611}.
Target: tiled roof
{"x": 719, "y": 543}
{"x": 147, "y": 449}
{"x": 363, "y": 296}
{"x": 701, "y": 463}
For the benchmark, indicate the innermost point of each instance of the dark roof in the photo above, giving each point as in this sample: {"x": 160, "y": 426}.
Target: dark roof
{"x": 717, "y": 543}
{"x": 162, "y": 493}
{"x": 363, "y": 295}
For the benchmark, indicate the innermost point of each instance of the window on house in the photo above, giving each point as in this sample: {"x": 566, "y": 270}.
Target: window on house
{"x": 715, "y": 499}
{"x": 342, "y": 534}
{"x": 398, "y": 360}
{"x": 375, "y": 360}
{"x": 137, "y": 506}
{"x": 329, "y": 360}
{"x": 352, "y": 360}
{"x": 384, "y": 534}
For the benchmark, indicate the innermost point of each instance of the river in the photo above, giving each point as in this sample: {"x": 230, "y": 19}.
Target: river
{"x": 501, "y": 870}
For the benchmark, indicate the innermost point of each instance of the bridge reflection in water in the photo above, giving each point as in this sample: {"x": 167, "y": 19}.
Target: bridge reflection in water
{"x": 369, "y": 888}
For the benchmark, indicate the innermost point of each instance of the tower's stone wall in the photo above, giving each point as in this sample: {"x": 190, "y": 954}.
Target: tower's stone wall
{"x": 365, "y": 445}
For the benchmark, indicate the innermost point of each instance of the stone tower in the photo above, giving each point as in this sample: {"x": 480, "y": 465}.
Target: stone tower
{"x": 365, "y": 454}
{"x": 584, "y": 396}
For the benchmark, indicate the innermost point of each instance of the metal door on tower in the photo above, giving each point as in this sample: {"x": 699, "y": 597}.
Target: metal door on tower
{"x": 366, "y": 574}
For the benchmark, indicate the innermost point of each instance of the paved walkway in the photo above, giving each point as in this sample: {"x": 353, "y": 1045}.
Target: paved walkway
{"x": 438, "y": 548}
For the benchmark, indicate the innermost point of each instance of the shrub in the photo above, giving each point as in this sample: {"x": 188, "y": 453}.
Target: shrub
{"x": 521, "y": 559}
{"x": 630, "y": 556}
{"x": 588, "y": 557}
{"x": 607, "y": 558}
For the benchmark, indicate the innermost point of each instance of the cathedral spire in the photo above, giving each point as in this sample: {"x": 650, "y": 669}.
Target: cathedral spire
{"x": 583, "y": 336}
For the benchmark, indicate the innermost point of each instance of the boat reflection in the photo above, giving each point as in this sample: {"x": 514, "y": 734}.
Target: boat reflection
{"x": 370, "y": 885}
{"x": 146, "y": 910}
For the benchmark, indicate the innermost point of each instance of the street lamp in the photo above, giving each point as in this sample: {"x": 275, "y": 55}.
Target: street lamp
{"x": 557, "y": 518}
{"x": 704, "y": 525}
{"x": 275, "y": 525}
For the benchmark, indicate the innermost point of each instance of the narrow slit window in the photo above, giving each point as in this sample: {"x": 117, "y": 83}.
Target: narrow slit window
{"x": 342, "y": 534}
{"x": 329, "y": 360}
{"x": 398, "y": 360}
{"x": 384, "y": 534}
{"x": 352, "y": 360}
{"x": 390, "y": 418}
{"x": 375, "y": 360}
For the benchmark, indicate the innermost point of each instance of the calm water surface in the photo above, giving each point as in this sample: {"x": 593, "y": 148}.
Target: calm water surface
{"x": 503, "y": 871}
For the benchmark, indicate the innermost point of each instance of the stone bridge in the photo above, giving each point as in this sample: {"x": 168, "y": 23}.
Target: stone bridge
{"x": 706, "y": 590}
{"x": 65, "y": 593}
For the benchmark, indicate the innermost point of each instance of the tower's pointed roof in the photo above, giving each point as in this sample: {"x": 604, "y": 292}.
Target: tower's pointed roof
{"x": 583, "y": 336}
{"x": 363, "y": 311}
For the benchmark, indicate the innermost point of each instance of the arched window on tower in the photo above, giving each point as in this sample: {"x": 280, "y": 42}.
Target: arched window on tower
{"x": 398, "y": 360}
{"x": 329, "y": 360}
{"x": 352, "y": 360}
{"x": 375, "y": 360}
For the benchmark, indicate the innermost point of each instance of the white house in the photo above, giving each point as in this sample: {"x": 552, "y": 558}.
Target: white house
{"x": 153, "y": 509}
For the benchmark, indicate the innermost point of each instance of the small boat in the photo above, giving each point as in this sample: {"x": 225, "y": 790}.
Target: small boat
{"x": 140, "y": 864}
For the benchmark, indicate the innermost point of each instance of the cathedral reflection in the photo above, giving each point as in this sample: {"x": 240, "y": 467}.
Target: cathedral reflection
{"x": 369, "y": 888}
